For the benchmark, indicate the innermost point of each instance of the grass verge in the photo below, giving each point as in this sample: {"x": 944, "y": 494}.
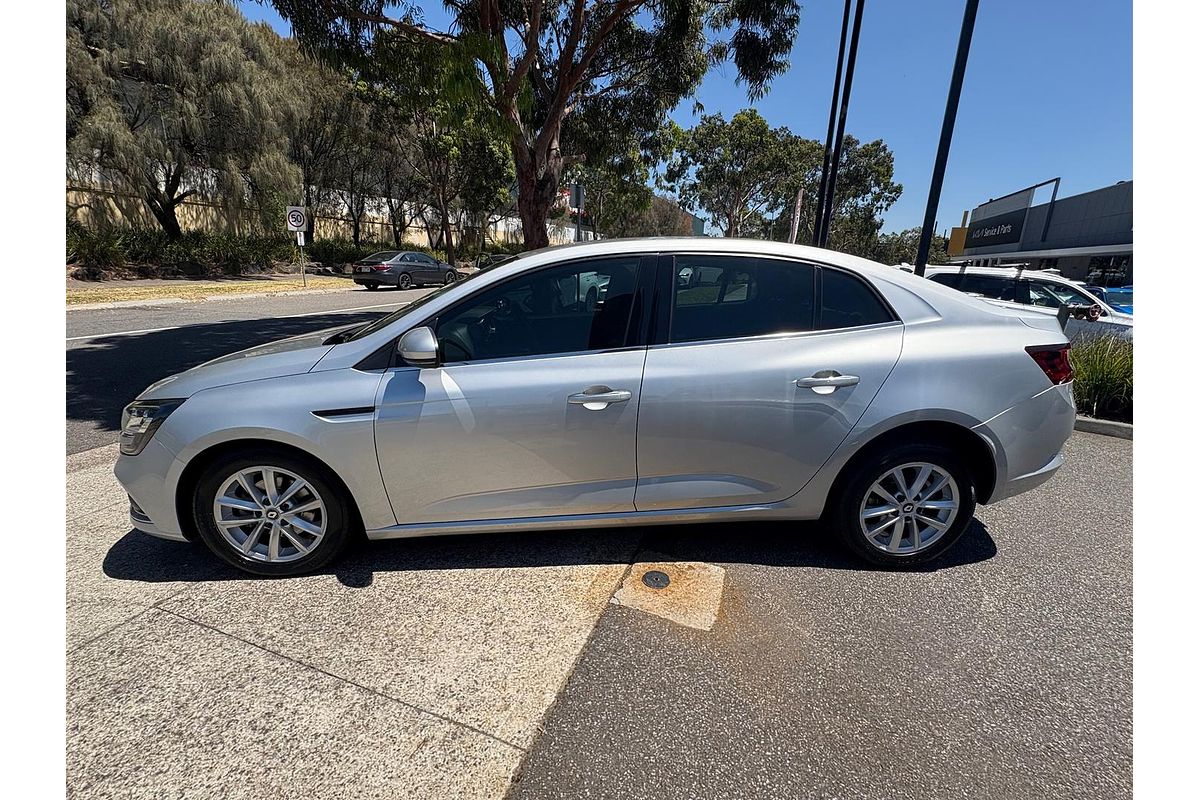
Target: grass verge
{"x": 189, "y": 290}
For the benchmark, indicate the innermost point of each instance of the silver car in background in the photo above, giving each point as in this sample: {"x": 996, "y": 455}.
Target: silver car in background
{"x": 712, "y": 379}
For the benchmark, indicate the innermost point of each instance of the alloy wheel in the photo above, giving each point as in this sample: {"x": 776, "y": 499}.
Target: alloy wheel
{"x": 451, "y": 277}
{"x": 405, "y": 281}
{"x": 270, "y": 514}
{"x": 908, "y": 508}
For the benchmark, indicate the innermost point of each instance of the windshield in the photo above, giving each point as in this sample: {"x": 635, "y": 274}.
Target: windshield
{"x": 388, "y": 319}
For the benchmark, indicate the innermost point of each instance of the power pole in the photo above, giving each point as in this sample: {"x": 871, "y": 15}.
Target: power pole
{"x": 833, "y": 107}
{"x": 943, "y": 151}
{"x": 827, "y": 218}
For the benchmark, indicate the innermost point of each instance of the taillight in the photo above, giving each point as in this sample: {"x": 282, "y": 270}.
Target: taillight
{"x": 380, "y": 267}
{"x": 1054, "y": 361}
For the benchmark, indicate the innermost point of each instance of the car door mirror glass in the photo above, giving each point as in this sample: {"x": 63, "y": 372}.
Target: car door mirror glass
{"x": 418, "y": 348}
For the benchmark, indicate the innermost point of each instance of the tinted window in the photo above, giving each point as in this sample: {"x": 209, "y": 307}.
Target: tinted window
{"x": 1054, "y": 295}
{"x": 719, "y": 297}
{"x": 847, "y": 302}
{"x": 379, "y": 258}
{"x": 424, "y": 259}
{"x": 994, "y": 286}
{"x": 586, "y": 305}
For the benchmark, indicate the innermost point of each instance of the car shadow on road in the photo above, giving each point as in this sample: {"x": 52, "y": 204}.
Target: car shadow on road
{"x": 138, "y": 557}
{"x": 106, "y": 373}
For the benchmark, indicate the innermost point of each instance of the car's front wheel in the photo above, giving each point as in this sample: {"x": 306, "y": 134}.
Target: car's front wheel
{"x": 271, "y": 513}
{"x": 904, "y": 506}
{"x": 451, "y": 276}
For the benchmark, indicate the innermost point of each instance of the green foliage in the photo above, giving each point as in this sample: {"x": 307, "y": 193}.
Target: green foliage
{"x": 105, "y": 248}
{"x": 1103, "y": 376}
{"x": 901, "y": 248}
{"x": 742, "y": 171}
{"x": 563, "y": 82}
{"x": 169, "y": 99}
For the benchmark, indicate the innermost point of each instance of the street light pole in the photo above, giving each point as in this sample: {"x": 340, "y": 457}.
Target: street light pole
{"x": 943, "y": 151}
{"x": 833, "y": 107}
{"x": 835, "y": 160}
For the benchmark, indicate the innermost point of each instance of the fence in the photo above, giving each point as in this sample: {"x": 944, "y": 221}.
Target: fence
{"x": 92, "y": 206}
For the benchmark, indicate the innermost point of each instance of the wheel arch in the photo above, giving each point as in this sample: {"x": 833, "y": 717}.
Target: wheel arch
{"x": 195, "y": 467}
{"x": 976, "y": 451}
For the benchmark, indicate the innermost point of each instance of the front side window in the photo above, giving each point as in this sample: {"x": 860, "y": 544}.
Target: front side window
{"x": 723, "y": 297}
{"x": 1055, "y": 295}
{"x": 571, "y": 308}
{"x": 847, "y": 302}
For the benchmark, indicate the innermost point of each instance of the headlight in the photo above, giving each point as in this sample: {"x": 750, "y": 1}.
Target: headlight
{"x": 140, "y": 420}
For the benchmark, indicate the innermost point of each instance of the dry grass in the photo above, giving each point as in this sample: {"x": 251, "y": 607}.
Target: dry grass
{"x": 188, "y": 290}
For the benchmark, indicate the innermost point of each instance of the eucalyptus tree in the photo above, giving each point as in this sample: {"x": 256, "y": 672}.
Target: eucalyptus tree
{"x": 740, "y": 171}
{"x": 170, "y": 99}
{"x": 539, "y": 65}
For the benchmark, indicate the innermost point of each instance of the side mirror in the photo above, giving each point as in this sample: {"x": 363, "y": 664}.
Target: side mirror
{"x": 419, "y": 348}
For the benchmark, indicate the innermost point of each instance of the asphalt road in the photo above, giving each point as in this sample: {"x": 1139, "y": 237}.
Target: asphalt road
{"x": 1003, "y": 671}
{"x": 114, "y": 353}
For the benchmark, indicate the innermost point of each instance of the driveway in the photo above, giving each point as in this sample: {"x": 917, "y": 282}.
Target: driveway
{"x": 480, "y": 666}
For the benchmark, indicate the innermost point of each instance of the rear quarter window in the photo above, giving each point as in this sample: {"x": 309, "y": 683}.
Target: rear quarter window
{"x": 848, "y": 302}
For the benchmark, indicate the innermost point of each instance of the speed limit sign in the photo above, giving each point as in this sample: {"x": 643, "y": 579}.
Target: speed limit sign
{"x": 297, "y": 218}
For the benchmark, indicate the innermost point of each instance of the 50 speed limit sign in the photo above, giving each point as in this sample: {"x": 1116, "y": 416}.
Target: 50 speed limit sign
{"x": 297, "y": 218}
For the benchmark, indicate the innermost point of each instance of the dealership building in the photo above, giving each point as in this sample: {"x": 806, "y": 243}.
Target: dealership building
{"x": 1087, "y": 237}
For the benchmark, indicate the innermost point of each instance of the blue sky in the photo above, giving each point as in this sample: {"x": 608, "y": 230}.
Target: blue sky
{"x": 1048, "y": 92}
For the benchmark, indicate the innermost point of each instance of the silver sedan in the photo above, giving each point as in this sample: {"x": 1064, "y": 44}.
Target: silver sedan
{"x": 622, "y": 382}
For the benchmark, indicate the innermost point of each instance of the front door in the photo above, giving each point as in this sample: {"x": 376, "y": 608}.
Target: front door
{"x": 752, "y": 385}
{"x": 534, "y": 411}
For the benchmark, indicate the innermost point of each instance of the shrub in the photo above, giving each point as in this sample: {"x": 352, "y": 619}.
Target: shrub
{"x": 1104, "y": 377}
{"x": 95, "y": 248}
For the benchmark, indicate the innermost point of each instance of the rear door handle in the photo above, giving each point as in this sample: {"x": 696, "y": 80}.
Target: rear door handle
{"x": 595, "y": 398}
{"x": 826, "y": 381}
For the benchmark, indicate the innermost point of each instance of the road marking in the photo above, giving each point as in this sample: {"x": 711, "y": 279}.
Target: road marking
{"x": 216, "y": 322}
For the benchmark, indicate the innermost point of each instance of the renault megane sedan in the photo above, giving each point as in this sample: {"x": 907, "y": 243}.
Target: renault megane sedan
{"x": 712, "y": 379}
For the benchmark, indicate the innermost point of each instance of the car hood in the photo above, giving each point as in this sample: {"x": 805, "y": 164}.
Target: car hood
{"x": 292, "y": 356}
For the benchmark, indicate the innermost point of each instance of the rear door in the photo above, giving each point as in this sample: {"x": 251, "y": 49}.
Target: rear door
{"x": 759, "y": 367}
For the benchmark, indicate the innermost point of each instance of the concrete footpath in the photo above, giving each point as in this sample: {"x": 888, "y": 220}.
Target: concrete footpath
{"x": 417, "y": 669}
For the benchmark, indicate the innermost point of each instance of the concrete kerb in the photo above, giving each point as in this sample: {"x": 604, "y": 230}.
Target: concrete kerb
{"x": 1104, "y": 427}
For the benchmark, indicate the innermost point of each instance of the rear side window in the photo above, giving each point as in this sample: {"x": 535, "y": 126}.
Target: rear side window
{"x": 847, "y": 302}
{"x": 995, "y": 287}
{"x": 722, "y": 297}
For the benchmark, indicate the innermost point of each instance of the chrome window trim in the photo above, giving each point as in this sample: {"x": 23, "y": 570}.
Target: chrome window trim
{"x": 512, "y": 359}
{"x": 781, "y": 335}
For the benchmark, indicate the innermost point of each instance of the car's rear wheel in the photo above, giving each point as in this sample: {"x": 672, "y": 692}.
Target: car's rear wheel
{"x": 271, "y": 513}
{"x": 404, "y": 281}
{"x": 904, "y": 506}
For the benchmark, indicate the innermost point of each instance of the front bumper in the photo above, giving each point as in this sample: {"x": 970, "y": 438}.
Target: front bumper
{"x": 146, "y": 477}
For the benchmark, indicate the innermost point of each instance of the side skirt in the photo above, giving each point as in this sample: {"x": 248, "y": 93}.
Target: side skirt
{"x": 610, "y": 520}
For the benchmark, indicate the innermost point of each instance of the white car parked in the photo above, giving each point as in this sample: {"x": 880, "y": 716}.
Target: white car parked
{"x": 1036, "y": 290}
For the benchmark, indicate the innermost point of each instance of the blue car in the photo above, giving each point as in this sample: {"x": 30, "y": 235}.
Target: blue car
{"x": 1119, "y": 297}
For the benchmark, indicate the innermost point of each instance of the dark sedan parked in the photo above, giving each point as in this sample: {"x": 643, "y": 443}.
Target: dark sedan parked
{"x": 402, "y": 269}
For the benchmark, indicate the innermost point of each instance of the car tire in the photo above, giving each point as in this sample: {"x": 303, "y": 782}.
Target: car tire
{"x": 405, "y": 281}
{"x": 333, "y": 516}
{"x": 856, "y": 506}
{"x": 451, "y": 276}
{"x": 371, "y": 286}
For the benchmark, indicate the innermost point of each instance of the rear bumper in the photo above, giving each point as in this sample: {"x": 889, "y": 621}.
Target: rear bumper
{"x": 1028, "y": 440}
{"x": 375, "y": 278}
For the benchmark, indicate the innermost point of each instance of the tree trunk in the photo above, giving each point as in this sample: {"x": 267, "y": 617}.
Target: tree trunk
{"x": 164, "y": 212}
{"x": 447, "y": 237}
{"x": 535, "y": 195}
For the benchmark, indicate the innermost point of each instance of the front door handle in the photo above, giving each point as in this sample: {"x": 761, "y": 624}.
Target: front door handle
{"x": 595, "y": 398}
{"x": 827, "y": 381}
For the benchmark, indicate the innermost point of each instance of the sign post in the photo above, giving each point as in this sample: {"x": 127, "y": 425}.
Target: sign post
{"x": 297, "y": 220}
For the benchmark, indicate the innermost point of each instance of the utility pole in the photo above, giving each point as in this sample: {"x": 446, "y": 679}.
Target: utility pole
{"x": 943, "y": 151}
{"x": 827, "y": 218}
{"x": 833, "y": 107}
